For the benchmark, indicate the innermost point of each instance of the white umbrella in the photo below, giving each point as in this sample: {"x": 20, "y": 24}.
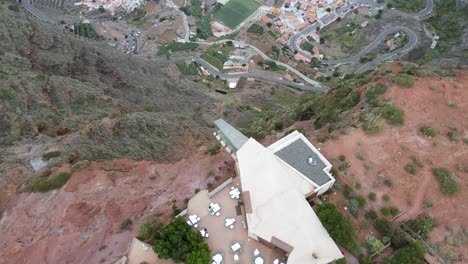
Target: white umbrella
{"x": 217, "y": 258}
{"x": 258, "y": 260}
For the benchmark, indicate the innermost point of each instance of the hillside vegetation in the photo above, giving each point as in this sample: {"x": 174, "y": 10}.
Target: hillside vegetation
{"x": 85, "y": 100}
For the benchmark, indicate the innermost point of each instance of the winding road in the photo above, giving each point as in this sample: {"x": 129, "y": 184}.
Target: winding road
{"x": 413, "y": 38}
{"x": 294, "y": 43}
{"x": 215, "y": 72}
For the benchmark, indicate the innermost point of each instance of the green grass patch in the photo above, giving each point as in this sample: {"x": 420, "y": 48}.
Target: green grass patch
{"x": 256, "y": 29}
{"x": 428, "y": 131}
{"x": 235, "y": 11}
{"x": 212, "y": 60}
{"x": 85, "y": 30}
{"x": 305, "y": 45}
{"x": 403, "y": 80}
{"x": 187, "y": 68}
{"x": 410, "y": 168}
{"x": 448, "y": 181}
{"x": 45, "y": 182}
{"x": 177, "y": 47}
{"x": 408, "y": 6}
{"x": 51, "y": 155}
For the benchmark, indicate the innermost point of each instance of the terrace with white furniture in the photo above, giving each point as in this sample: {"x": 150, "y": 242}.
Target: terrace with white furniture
{"x": 220, "y": 220}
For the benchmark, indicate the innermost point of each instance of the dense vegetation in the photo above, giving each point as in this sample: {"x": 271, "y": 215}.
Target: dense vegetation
{"x": 204, "y": 28}
{"x": 339, "y": 228}
{"x": 448, "y": 181}
{"x": 177, "y": 241}
{"x": 377, "y": 110}
{"x": 329, "y": 108}
{"x": 422, "y": 226}
{"x": 449, "y": 20}
{"x": 413, "y": 253}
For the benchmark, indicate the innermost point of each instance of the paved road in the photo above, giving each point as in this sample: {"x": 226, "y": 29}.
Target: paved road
{"x": 212, "y": 70}
{"x": 265, "y": 57}
{"x": 35, "y": 12}
{"x": 413, "y": 38}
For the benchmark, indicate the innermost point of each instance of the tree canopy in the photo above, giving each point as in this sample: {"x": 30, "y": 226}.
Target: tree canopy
{"x": 413, "y": 253}
{"x": 180, "y": 243}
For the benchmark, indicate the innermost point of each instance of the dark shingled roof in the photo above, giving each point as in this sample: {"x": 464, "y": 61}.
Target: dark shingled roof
{"x": 297, "y": 155}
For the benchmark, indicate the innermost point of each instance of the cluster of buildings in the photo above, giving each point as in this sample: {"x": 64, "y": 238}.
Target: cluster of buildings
{"x": 111, "y": 6}
{"x": 298, "y": 14}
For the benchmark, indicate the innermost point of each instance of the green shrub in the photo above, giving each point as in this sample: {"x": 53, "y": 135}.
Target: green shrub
{"x": 384, "y": 211}
{"x": 388, "y": 182}
{"x": 373, "y": 93}
{"x": 428, "y": 131}
{"x": 372, "y": 214}
{"x": 339, "y": 228}
{"x": 334, "y": 172}
{"x": 411, "y": 69}
{"x": 374, "y": 244}
{"x": 427, "y": 204}
{"x": 383, "y": 226}
{"x": 348, "y": 192}
{"x": 361, "y": 201}
{"x": 447, "y": 180}
{"x": 344, "y": 166}
{"x": 394, "y": 211}
{"x": 126, "y": 224}
{"x": 422, "y": 226}
{"x": 393, "y": 114}
{"x": 353, "y": 207}
{"x": 372, "y": 196}
{"x": 452, "y": 134}
{"x": 358, "y": 186}
{"x": 214, "y": 148}
{"x": 385, "y": 198}
{"x": 404, "y": 80}
{"x": 14, "y": 8}
{"x": 398, "y": 237}
{"x": 50, "y": 155}
{"x": 47, "y": 183}
{"x": 149, "y": 230}
{"x": 410, "y": 168}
